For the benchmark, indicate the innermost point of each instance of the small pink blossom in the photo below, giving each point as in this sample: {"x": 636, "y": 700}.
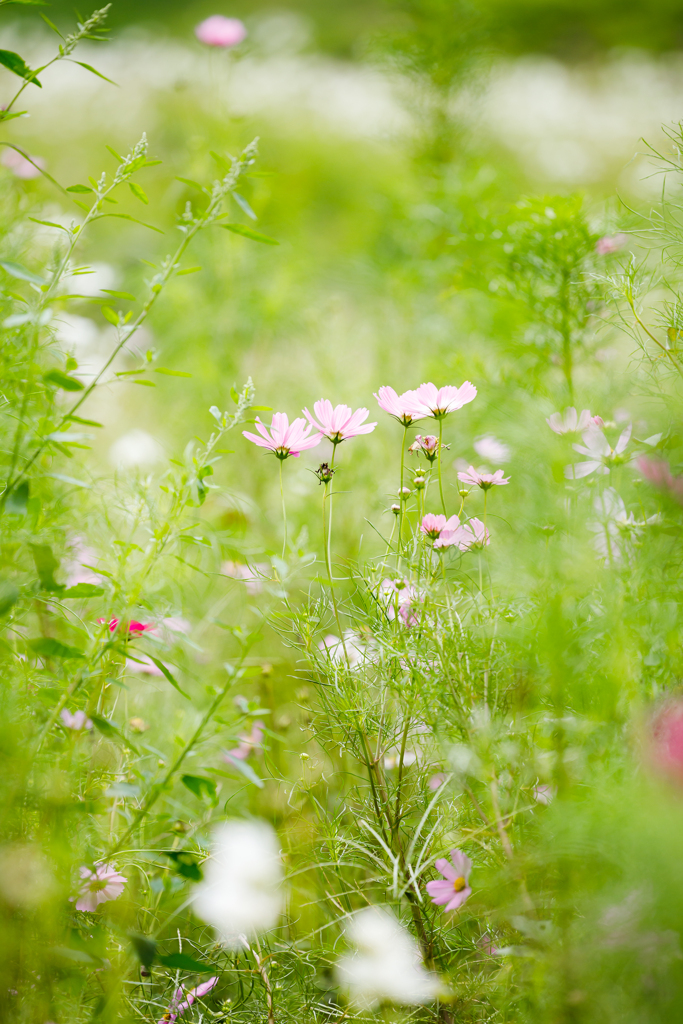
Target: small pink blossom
{"x": 284, "y": 439}
{"x": 428, "y": 400}
{"x": 77, "y": 720}
{"x": 220, "y": 31}
{"x": 484, "y": 480}
{"x": 606, "y": 245}
{"x": 543, "y": 793}
{"x": 572, "y": 422}
{"x": 490, "y": 448}
{"x": 20, "y": 166}
{"x": 658, "y": 473}
{"x": 601, "y": 455}
{"x": 248, "y": 744}
{"x": 351, "y": 651}
{"x": 437, "y": 781}
{"x": 253, "y": 576}
{"x": 401, "y": 407}
{"x": 339, "y": 423}
{"x": 178, "y": 1004}
{"x": 470, "y": 535}
{"x": 428, "y": 445}
{"x": 401, "y": 595}
{"x": 177, "y": 624}
{"x": 133, "y": 627}
{"x": 455, "y": 889}
{"x": 485, "y": 943}
{"x": 433, "y": 525}
{"x": 102, "y": 884}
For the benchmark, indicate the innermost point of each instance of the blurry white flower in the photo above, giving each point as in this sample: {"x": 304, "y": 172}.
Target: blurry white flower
{"x": 490, "y": 448}
{"x": 96, "y": 277}
{"x": 26, "y": 879}
{"x": 614, "y": 525}
{"x": 77, "y": 720}
{"x": 601, "y": 455}
{"x": 136, "y": 448}
{"x": 241, "y": 894}
{"x": 572, "y": 422}
{"x": 77, "y": 334}
{"x": 387, "y": 964}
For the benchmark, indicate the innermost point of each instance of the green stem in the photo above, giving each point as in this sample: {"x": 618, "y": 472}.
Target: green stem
{"x": 327, "y": 540}
{"x": 443, "y": 503}
{"x": 400, "y": 494}
{"x": 284, "y": 515}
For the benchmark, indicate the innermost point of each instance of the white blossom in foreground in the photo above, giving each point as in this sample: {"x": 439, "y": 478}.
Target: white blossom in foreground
{"x": 241, "y": 894}
{"x": 387, "y": 964}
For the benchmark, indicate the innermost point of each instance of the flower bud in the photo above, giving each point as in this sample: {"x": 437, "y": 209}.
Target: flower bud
{"x": 324, "y": 473}
{"x": 419, "y": 482}
{"x": 404, "y": 493}
{"x": 396, "y": 509}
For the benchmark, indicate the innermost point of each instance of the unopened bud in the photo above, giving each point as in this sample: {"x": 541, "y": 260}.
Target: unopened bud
{"x": 463, "y": 493}
{"x": 404, "y": 493}
{"x": 396, "y": 509}
{"x": 419, "y": 483}
{"x": 324, "y": 473}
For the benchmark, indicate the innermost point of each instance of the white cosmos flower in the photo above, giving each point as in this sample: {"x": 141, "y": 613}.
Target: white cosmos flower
{"x": 601, "y": 455}
{"x": 241, "y": 894}
{"x": 387, "y": 964}
{"x": 614, "y": 524}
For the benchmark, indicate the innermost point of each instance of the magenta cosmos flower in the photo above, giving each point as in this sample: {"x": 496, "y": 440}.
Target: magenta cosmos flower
{"x": 432, "y": 525}
{"x": 428, "y": 400}
{"x": 339, "y": 423}
{"x": 220, "y": 31}
{"x": 455, "y": 889}
{"x": 666, "y": 740}
{"x": 472, "y": 534}
{"x": 401, "y": 407}
{"x": 100, "y": 885}
{"x": 183, "y": 1000}
{"x": 285, "y": 438}
{"x": 133, "y": 627}
{"x": 474, "y": 478}
{"x": 572, "y": 422}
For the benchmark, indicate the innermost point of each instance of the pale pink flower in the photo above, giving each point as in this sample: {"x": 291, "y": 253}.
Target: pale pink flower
{"x": 98, "y": 886}
{"x": 220, "y": 31}
{"x": 572, "y": 422}
{"x": 490, "y": 448}
{"x": 543, "y": 793}
{"x": 455, "y": 889}
{"x": 606, "y": 245}
{"x": 472, "y": 534}
{"x": 248, "y": 744}
{"x": 177, "y": 624}
{"x": 353, "y": 645}
{"x": 432, "y": 525}
{"x": 253, "y": 576}
{"x": 143, "y": 665}
{"x": 485, "y": 943}
{"x": 601, "y": 455}
{"x": 437, "y": 781}
{"x": 76, "y": 572}
{"x": 178, "y": 1004}
{"x": 666, "y": 743}
{"x": 428, "y": 445}
{"x": 401, "y": 595}
{"x": 284, "y": 439}
{"x": 20, "y": 166}
{"x": 484, "y": 480}
{"x": 339, "y": 423}
{"x": 658, "y": 473}
{"x": 77, "y": 720}
{"x": 428, "y": 400}
{"x": 401, "y": 407}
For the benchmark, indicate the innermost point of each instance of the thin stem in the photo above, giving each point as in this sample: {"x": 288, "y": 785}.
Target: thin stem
{"x": 284, "y": 515}
{"x": 266, "y": 984}
{"x": 443, "y": 503}
{"x": 327, "y": 540}
{"x": 400, "y": 492}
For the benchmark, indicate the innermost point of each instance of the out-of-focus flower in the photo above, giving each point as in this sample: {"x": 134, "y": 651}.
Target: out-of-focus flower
{"x": 355, "y": 649}
{"x": 601, "y": 455}
{"x": 428, "y": 400}
{"x": 401, "y": 594}
{"x": 133, "y": 627}
{"x": 220, "y": 31}
{"x": 432, "y": 525}
{"x": 339, "y": 423}
{"x": 485, "y": 943}
{"x": 241, "y": 894}
{"x": 484, "y": 480}
{"x": 436, "y": 781}
{"x": 490, "y": 448}
{"x": 387, "y": 964}
{"x": 98, "y": 886}
{"x": 182, "y": 1000}
{"x": 401, "y": 407}
{"x": 142, "y": 664}
{"x": 248, "y": 744}
{"x": 26, "y": 878}
{"x": 138, "y": 724}
{"x": 658, "y": 473}
{"x": 455, "y": 889}
{"x": 76, "y": 721}
{"x": 285, "y": 438}
{"x": 543, "y": 793}
{"x": 428, "y": 445}
{"x": 614, "y": 525}
{"x": 20, "y": 166}
{"x": 572, "y": 422}
{"x": 606, "y": 245}
{"x": 666, "y": 739}
{"x": 91, "y": 280}
{"x": 472, "y": 534}
{"x": 253, "y": 576}
{"x": 135, "y": 448}
{"x": 76, "y": 572}
{"x": 177, "y": 624}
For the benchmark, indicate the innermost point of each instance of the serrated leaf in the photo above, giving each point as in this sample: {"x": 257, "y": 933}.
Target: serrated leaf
{"x": 109, "y": 314}
{"x": 63, "y": 380}
{"x": 82, "y": 590}
{"x": 78, "y": 188}
{"x": 171, "y": 373}
{"x": 183, "y": 962}
{"x": 138, "y": 192}
{"x": 256, "y": 236}
{"x": 47, "y": 647}
{"x": 94, "y": 71}
{"x": 16, "y": 270}
{"x": 18, "y": 66}
{"x": 168, "y": 674}
{"x": 198, "y": 785}
{"x": 244, "y": 205}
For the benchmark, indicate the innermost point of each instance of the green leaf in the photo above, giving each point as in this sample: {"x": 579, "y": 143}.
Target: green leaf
{"x": 13, "y": 62}
{"x": 145, "y": 949}
{"x": 46, "y": 565}
{"x": 245, "y": 769}
{"x": 63, "y": 380}
{"x": 119, "y": 295}
{"x": 127, "y": 216}
{"x": 193, "y": 184}
{"x": 171, "y": 373}
{"x": 114, "y": 153}
{"x": 188, "y": 270}
{"x": 146, "y": 383}
{"x": 45, "y": 17}
{"x": 111, "y": 731}
{"x": 17, "y": 499}
{"x": 69, "y": 480}
{"x": 82, "y": 590}
{"x": 16, "y": 270}
{"x": 223, "y": 164}
{"x": 186, "y": 865}
{"x": 200, "y": 786}
{"x": 183, "y": 962}
{"x": 167, "y": 673}
{"x": 138, "y": 192}
{"x": 256, "y": 236}
{"x": 9, "y": 595}
{"x": 94, "y": 71}
{"x": 8, "y": 115}
{"x": 244, "y": 205}
{"x": 86, "y": 423}
{"x": 78, "y": 188}
{"x": 109, "y": 314}
{"x": 46, "y": 647}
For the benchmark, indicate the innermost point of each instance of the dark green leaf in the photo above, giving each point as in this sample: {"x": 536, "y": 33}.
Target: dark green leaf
{"x": 138, "y": 192}
{"x": 78, "y": 188}
{"x": 200, "y": 786}
{"x": 185, "y": 864}
{"x": 46, "y": 565}
{"x": 13, "y": 62}
{"x": 183, "y": 962}
{"x": 83, "y": 590}
{"x": 94, "y": 71}
{"x": 9, "y": 595}
{"x": 46, "y": 647}
{"x": 16, "y": 270}
{"x": 256, "y": 236}
{"x": 88, "y": 423}
{"x": 163, "y": 668}
{"x": 63, "y": 380}
{"x": 145, "y": 949}
{"x": 244, "y": 205}
{"x": 171, "y": 373}
{"x": 17, "y": 499}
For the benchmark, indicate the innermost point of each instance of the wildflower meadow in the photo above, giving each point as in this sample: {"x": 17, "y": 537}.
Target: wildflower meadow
{"x": 341, "y": 605}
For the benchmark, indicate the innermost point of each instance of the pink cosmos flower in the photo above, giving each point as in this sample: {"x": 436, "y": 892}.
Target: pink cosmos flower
{"x": 472, "y": 534}
{"x": 437, "y": 781}
{"x": 484, "y": 480}
{"x": 543, "y": 793}
{"x": 133, "y": 627}
{"x": 284, "y": 439}
{"x": 658, "y": 473}
{"x": 401, "y": 595}
{"x": 605, "y": 246}
{"x": 253, "y": 576}
{"x": 666, "y": 745}
{"x": 249, "y": 743}
{"x": 102, "y": 884}
{"x": 20, "y": 166}
{"x": 339, "y": 423}
{"x": 432, "y": 525}
{"x": 572, "y": 422}
{"x": 428, "y": 445}
{"x": 178, "y": 1004}
{"x": 401, "y": 407}
{"x": 76, "y": 721}
{"x": 601, "y": 455}
{"x": 455, "y": 889}
{"x": 352, "y": 649}
{"x": 428, "y": 400}
{"x": 220, "y": 31}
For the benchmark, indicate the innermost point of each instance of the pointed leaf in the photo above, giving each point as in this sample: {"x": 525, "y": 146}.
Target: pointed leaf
{"x": 109, "y": 314}
{"x": 13, "y": 62}
{"x": 245, "y": 769}
{"x": 63, "y": 380}
{"x": 94, "y": 71}
{"x": 171, "y": 373}
{"x": 256, "y": 236}
{"x": 183, "y": 962}
{"x": 82, "y": 590}
{"x": 16, "y": 270}
{"x": 244, "y": 205}
{"x": 79, "y": 188}
{"x": 162, "y": 668}
{"x": 138, "y": 192}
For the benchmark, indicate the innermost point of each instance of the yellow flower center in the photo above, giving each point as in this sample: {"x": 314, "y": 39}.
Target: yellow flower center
{"x": 459, "y": 884}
